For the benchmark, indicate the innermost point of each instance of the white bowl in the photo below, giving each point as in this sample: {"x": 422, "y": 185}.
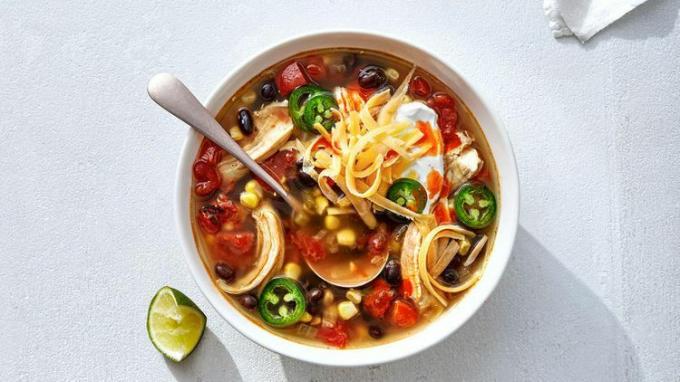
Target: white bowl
{"x": 451, "y": 319}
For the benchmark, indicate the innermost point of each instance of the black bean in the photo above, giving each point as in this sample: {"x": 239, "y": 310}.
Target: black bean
{"x": 392, "y": 272}
{"x": 314, "y": 295}
{"x": 450, "y": 276}
{"x": 224, "y": 271}
{"x": 375, "y": 331}
{"x": 371, "y": 77}
{"x": 248, "y": 301}
{"x": 314, "y": 309}
{"x": 245, "y": 121}
{"x": 268, "y": 91}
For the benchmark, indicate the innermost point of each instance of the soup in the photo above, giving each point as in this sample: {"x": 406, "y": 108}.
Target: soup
{"x": 399, "y": 194}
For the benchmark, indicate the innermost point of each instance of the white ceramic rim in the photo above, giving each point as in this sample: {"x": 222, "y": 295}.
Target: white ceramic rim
{"x": 451, "y": 319}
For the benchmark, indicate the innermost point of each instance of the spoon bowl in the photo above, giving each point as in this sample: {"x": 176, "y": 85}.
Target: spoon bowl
{"x": 342, "y": 275}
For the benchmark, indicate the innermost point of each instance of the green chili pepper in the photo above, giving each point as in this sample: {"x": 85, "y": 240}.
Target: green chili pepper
{"x": 408, "y": 193}
{"x": 311, "y": 104}
{"x": 475, "y": 205}
{"x": 282, "y": 302}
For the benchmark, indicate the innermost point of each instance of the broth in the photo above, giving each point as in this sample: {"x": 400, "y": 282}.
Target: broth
{"x": 228, "y": 209}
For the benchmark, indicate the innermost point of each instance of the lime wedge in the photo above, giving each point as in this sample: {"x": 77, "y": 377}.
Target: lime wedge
{"x": 174, "y": 323}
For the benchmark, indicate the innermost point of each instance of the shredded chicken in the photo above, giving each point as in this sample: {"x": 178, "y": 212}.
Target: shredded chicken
{"x": 273, "y": 128}
{"x": 462, "y": 162}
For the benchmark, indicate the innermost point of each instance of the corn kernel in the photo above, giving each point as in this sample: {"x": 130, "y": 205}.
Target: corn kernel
{"x": 301, "y": 218}
{"x": 236, "y": 133}
{"x": 353, "y": 267}
{"x": 331, "y": 222}
{"x": 320, "y": 204}
{"x": 392, "y": 74}
{"x": 327, "y": 297}
{"x": 464, "y": 247}
{"x": 249, "y": 199}
{"x": 346, "y": 237}
{"x": 347, "y": 310}
{"x": 292, "y": 270}
{"x": 254, "y": 187}
{"x": 306, "y": 317}
{"x": 354, "y": 296}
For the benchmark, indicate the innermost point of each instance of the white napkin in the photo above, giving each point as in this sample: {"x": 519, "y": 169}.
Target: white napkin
{"x": 584, "y": 18}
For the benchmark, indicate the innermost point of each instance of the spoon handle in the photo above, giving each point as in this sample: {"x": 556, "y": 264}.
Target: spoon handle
{"x": 171, "y": 94}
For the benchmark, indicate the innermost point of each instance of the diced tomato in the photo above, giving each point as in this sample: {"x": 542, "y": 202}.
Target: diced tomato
{"x": 315, "y": 68}
{"x": 210, "y": 152}
{"x": 446, "y": 189}
{"x": 419, "y": 87}
{"x": 406, "y": 288}
{"x": 311, "y": 248}
{"x": 229, "y": 209}
{"x": 403, "y": 314}
{"x": 208, "y": 219}
{"x": 281, "y": 165}
{"x": 441, "y": 100}
{"x": 377, "y": 241}
{"x": 291, "y": 77}
{"x": 378, "y": 300}
{"x": 321, "y": 143}
{"x": 448, "y": 114}
{"x": 336, "y": 335}
{"x": 237, "y": 243}
{"x": 441, "y": 213}
{"x": 207, "y": 178}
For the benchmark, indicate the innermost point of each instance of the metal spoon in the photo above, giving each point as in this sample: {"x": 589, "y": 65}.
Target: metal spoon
{"x": 171, "y": 94}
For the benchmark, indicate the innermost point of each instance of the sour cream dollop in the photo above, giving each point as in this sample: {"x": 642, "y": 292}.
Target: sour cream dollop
{"x": 429, "y": 168}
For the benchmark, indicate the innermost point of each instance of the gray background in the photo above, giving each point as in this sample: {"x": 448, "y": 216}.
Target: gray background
{"x": 88, "y": 170}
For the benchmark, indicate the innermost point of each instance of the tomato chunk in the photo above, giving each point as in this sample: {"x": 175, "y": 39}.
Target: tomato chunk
{"x": 404, "y": 313}
{"x": 207, "y": 178}
{"x": 316, "y": 68}
{"x": 208, "y": 219}
{"x": 441, "y": 100}
{"x": 210, "y": 152}
{"x": 238, "y": 243}
{"x": 419, "y": 87}
{"x": 406, "y": 288}
{"x": 311, "y": 248}
{"x": 336, "y": 335}
{"x": 291, "y": 77}
{"x": 377, "y": 241}
{"x": 378, "y": 301}
{"x": 441, "y": 213}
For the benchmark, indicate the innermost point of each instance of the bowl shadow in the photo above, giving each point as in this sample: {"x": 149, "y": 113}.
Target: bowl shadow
{"x": 209, "y": 362}
{"x": 541, "y": 323}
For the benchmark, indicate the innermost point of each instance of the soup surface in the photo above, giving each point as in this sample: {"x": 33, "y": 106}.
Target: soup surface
{"x": 399, "y": 190}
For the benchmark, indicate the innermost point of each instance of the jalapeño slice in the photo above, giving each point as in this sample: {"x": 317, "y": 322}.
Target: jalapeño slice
{"x": 282, "y": 302}
{"x": 475, "y": 205}
{"x": 408, "y": 193}
{"x": 311, "y": 104}
{"x": 319, "y": 109}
